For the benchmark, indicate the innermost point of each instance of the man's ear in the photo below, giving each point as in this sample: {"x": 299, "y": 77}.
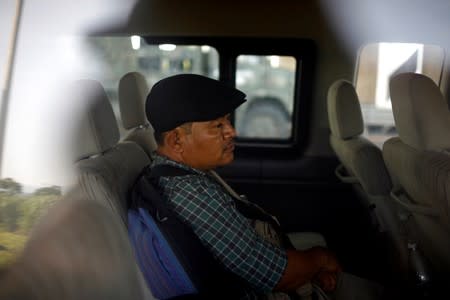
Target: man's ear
{"x": 174, "y": 140}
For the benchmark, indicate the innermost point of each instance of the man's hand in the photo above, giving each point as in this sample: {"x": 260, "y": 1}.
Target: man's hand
{"x": 329, "y": 262}
{"x": 327, "y": 276}
{"x": 326, "y": 280}
{"x": 305, "y": 266}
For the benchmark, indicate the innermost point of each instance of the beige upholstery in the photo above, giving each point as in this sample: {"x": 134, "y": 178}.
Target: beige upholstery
{"x": 419, "y": 164}
{"x": 107, "y": 176}
{"x": 436, "y": 178}
{"x": 361, "y": 158}
{"x": 133, "y": 90}
{"x": 78, "y": 251}
{"x": 143, "y": 136}
{"x": 421, "y": 186}
{"x": 420, "y": 111}
{"x": 306, "y": 240}
{"x": 403, "y": 162}
{"x": 362, "y": 164}
{"x": 344, "y": 111}
{"x": 96, "y": 117}
{"x": 435, "y": 231}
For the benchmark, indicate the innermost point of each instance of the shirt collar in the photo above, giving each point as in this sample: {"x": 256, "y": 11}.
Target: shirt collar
{"x": 158, "y": 159}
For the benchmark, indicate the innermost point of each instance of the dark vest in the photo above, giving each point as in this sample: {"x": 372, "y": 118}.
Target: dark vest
{"x": 209, "y": 277}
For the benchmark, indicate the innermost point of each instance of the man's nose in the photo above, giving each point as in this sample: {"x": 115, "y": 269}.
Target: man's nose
{"x": 229, "y": 131}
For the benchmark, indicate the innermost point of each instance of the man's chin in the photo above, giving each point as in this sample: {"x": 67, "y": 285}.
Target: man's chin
{"x": 227, "y": 159}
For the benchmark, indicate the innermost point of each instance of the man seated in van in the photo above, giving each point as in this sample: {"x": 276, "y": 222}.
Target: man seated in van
{"x": 191, "y": 118}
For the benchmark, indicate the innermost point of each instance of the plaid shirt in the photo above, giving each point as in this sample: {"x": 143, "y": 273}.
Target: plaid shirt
{"x": 202, "y": 203}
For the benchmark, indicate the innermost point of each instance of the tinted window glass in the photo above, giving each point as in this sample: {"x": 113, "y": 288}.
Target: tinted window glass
{"x": 269, "y": 83}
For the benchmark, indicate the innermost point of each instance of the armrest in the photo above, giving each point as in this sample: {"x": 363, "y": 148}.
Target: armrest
{"x": 402, "y": 198}
{"x": 341, "y": 174}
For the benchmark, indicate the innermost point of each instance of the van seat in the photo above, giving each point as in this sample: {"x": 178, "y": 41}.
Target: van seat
{"x": 419, "y": 163}
{"x": 133, "y": 90}
{"x": 362, "y": 165}
{"x": 360, "y": 157}
{"x": 79, "y": 250}
{"x": 106, "y": 170}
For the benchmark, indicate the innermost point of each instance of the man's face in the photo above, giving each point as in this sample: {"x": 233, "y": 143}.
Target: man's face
{"x": 209, "y": 144}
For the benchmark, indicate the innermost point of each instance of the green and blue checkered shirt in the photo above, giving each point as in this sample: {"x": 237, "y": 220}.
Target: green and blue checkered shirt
{"x": 202, "y": 203}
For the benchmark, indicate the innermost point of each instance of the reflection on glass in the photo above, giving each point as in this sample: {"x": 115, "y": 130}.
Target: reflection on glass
{"x": 269, "y": 83}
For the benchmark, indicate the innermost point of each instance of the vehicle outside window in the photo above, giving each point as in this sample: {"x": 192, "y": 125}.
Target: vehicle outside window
{"x": 377, "y": 64}
{"x": 269, "y": 82}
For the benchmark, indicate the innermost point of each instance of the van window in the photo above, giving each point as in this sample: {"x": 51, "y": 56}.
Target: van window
{"x": 20, "y": 204}
{"x": 377, "y": 64}
{"x": 269, "y": 82}
{"x": 112, "y": 57}
{"x": 7, "y": 19}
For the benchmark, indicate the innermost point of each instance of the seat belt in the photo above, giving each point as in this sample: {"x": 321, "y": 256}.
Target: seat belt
{"x": 228, "y": 188}
{"x": 245, "y": 207}
{"x": 241, "y": 198}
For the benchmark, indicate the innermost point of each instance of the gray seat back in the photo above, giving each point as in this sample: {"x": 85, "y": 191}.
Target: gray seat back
{"x": 363, "y": 164}
{"x": 106, "y": 170}
{"x": 133, "y": 90}
{"x": 79, "y": 250}
{"x": 419, "y": 162}
{"x": 361, "y": 158}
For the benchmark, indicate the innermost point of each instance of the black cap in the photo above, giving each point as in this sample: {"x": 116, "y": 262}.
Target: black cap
{"x": 183, "y": 98}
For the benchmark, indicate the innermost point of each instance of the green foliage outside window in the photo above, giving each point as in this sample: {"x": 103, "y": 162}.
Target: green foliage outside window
{"x": 18, "y": 213}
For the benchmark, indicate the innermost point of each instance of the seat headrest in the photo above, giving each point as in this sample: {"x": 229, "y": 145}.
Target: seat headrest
{"x": 133, "y": 90}
{"x": 344, "y": 111}
{"x": 96, "y": 129}
{"x": 420, "y": 112}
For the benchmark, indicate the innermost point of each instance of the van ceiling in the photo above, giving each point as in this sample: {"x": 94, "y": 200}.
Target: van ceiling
{"x": 363, "y": 21}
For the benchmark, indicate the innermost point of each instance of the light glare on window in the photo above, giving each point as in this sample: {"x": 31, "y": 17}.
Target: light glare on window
{"x": 136, "y": 42}
{"x": 205, "y": 49}
{"x": 167, "y": 47}
{"x": 274, "y": 61}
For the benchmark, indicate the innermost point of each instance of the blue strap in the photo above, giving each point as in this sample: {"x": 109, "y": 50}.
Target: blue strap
{"x": 161, "y": 269}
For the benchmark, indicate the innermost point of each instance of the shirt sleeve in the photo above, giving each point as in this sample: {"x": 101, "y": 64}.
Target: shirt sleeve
{"x": 228, "y": 234}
